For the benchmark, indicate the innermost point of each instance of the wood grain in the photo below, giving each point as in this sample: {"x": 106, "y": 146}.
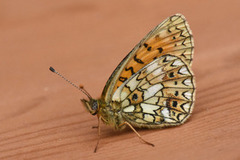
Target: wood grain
{"x": 41, "y": 116}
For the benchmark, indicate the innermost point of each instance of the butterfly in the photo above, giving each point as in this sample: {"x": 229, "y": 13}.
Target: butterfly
{"x": 153, "y": 86}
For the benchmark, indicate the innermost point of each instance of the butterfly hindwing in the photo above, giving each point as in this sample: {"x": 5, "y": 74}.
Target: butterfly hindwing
{"x": 172, "y": 36}
{"x": 160, "y": 94}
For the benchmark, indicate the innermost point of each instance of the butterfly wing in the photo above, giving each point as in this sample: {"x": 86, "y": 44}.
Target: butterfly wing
{"x": 172, "y": 36}
{"x": 160, "y": 94}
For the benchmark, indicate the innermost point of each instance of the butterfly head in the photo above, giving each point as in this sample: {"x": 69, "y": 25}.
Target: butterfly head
{"x": 92, "y": 105}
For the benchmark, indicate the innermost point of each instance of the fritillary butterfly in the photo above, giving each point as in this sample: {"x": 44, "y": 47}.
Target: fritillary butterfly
{"x": 153, "y": 86}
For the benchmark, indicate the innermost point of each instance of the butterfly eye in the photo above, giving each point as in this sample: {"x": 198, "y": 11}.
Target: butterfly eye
{"x": 134, "y": 97}
{"x": 94, "y": 105}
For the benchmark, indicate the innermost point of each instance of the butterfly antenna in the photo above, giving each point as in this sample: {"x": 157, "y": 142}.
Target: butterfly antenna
{"x": 89, "y": 96}
{"x": 78, "y": 87}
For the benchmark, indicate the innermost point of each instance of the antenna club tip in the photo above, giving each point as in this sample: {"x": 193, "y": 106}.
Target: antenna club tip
{"x": 81, "y": 86}
{"x": 52, "y": 69}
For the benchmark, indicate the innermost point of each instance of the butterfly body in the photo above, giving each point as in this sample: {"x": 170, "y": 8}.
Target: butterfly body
{"x": 112, "y": 115}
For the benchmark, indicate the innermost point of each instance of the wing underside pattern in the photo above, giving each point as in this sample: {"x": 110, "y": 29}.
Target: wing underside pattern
{"x": 160, "y": 94}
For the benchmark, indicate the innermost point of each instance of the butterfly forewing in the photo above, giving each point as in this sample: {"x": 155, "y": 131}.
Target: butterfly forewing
{"x": 172, "y": 36}
{"x": 160, "y": 94}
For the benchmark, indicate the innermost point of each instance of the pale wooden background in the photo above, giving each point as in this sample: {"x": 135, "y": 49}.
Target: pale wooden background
{"x": 41, "y": 117}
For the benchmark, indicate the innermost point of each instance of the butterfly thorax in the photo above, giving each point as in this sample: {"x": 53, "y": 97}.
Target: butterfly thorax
{"x": 111, "y": 114}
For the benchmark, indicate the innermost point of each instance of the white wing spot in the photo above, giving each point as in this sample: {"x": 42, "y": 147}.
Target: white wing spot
{"x": 170, "y": 58}
{"x": 148, "y": 108}
{"x": 151, "y": 91}
{"x": 133, "y": 83}
{"x": 165, "y": 113}
{"x": 188, "y": 95}
{"x": 186, "y": 107}
{"x": 117, "y": 94}
{"x": 152, "y": 67}
{"x": 177, "y": 63}
{"x": 129, "y": 109}
{"x": 183, "y": 70}
{"x": 187, "y": 82}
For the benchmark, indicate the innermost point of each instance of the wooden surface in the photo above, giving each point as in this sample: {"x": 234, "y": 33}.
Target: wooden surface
{"x": 41, "y": 116}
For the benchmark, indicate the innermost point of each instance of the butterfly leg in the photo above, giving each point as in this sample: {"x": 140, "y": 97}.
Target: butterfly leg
{"x": 139, "y": 136}
{"x": 99, "y": 120}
